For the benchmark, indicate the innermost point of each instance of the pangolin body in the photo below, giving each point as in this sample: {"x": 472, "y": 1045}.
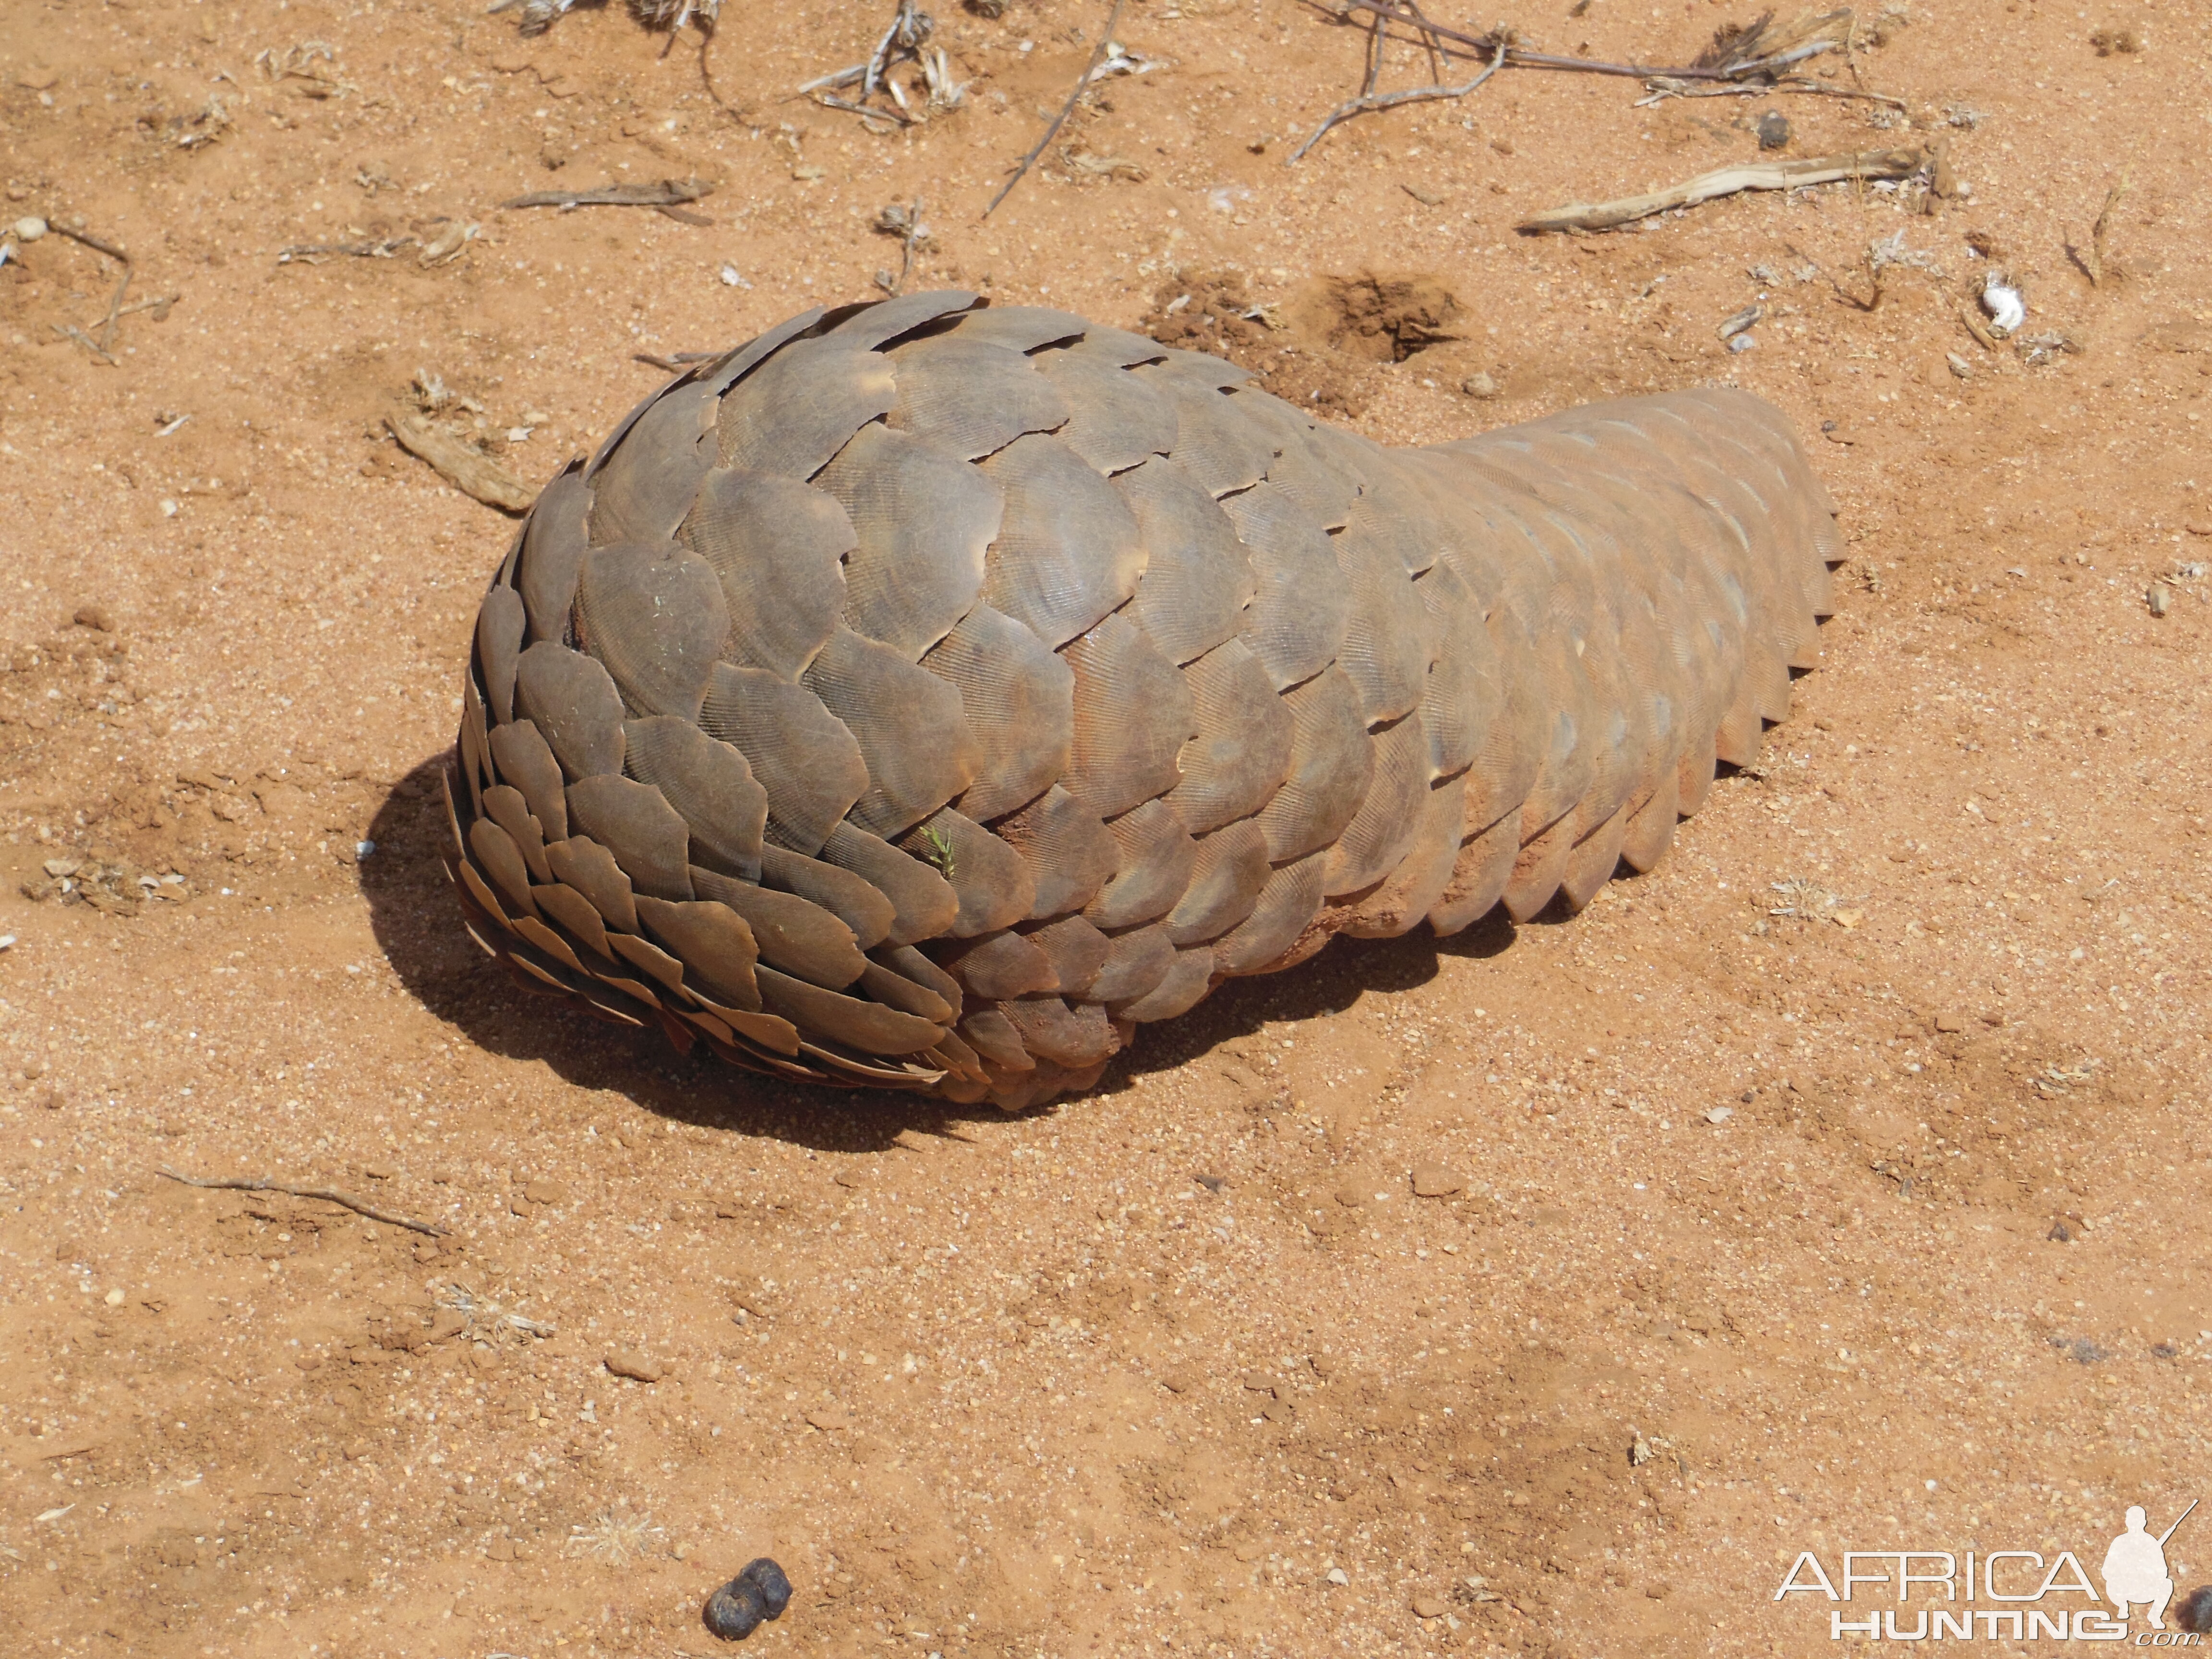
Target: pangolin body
{"x": 926, "y": 694}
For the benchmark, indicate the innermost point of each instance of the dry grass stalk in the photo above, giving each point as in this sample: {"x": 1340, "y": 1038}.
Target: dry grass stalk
{"x": 1728, "y": 181}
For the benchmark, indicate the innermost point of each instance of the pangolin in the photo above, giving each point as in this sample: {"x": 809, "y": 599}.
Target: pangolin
{"x": 927, "y": 693}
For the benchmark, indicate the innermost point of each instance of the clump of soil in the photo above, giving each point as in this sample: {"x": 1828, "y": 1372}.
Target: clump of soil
{"x": 1382, "y": 318}
{"x": 1319, "y": 352}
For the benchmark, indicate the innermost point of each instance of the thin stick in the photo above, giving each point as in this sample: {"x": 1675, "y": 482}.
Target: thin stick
{"x": 1372, "y": 101}
{"x": 114, "y": 306}
{"x": 2112, "y": 198}
{"x": 1661, "y": 90}
{"x": 668, "y": 192}
{"x": 1520, "y": 57}
{"x": 1728, "y": 181}
{"x": 328, "y": 1195}
{"x": 1082, "y": 80}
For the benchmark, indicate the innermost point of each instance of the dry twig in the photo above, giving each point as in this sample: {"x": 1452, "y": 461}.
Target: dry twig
{"x": 1371, "y": 100}
{"x": 667, "y": 196}
{"x": 2097, "y": 232}
{"x": 1728, "y": 181}
{"x": 1757, "y": 54}
{"x": 114, "y": 306}
{"x": 1082, "y": 83}
{"x": 328, "y": 1195}
{"x": 467, "y": 468}
{"x": 314, "y": 253}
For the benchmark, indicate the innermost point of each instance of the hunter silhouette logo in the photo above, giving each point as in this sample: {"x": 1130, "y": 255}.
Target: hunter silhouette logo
{"x": 2007, "y": 1595}
{"x": 2135, "y": 1567}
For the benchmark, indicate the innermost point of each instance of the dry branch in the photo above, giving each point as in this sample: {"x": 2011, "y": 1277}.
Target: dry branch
{"x": 1371, "y": 100}
{"x": 1082, "y": 82}
{"x": 668, "y": 195}
{"x": 328, "y": 1195}
{"x": 1728, "y": 181}
{"x": 467, "y": 469}
{"x": 2098, "y": 232}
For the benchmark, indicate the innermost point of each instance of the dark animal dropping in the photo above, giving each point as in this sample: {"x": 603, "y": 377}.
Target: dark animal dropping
{"x": 925, "y": 695}
{"x": 760, "y": 1592}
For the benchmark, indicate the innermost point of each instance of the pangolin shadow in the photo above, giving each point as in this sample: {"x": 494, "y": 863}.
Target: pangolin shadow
{"x": 1346, "y": 969}
{"x": 417, "y": 924}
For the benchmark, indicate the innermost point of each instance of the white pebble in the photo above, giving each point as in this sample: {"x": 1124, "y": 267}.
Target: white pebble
{"x": 1743, "y": 343}
{"x": 2008, "y": 310}
{"x": 28, "y": 229}
{"x": 362, "y": 850}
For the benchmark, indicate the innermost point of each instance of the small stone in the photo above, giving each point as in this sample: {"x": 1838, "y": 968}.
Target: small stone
{"x": 447, "y": 1323}
{"x": 625, "y": 1362}
{"x": 500, "y": 1549}
{"x": 1656, "y": 1592}
{"x": 379, "y": 1171}
{"x": 1323, "y": 1364}
{"x": 1259, "y": 1382}
{"x": 1773, "y": 129}
{"x": 1350, "y": 1196}
{"x": 1950, "y": 1023}
{"x": 2159, "y": 599}
{"x": 1176, "y": 1381}
{"x": 114, "y": 1298}
{"x": 545, "y": 1192}
{"x": 1338, "y": 1576}
{"x": 1434, "y": 1181}
{"x": 1212, "y": 1183}
{"x": 1429, "y": 1606}
{"x": 96, "y": 618}
{"x": 1720, "y": 1114}
{"x": 828, "y": 1419}
{"x": 28, "y": 229}
{"x": 1481, "y": 387}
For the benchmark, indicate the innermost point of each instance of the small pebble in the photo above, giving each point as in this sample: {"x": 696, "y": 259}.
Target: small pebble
{"x": 1773, "y": 129}
{"x": 1339, "y": 1575}
{"x": 1479, "y": 385}
{"x": 1429, "y": 1606}
{"x": 363, "y": 851}
{"x": 1434, "y": 1181}
{"x": 545, "y": 1192}
{"x": 1744, "y": 343}
{"x": 96, "y": 618}
{"x": 28, "y": 229}
{"x": 625, "y": 1362}
{"x": 2159, "y": 599}
{"x": 1720, "y": 1114}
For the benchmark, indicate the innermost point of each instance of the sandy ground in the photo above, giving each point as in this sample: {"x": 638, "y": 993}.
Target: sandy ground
{"x": 1836, "y": 1187}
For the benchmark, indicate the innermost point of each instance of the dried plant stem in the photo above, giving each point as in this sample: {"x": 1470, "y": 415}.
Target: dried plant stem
{"x": 1082, "y": 80}
{"x": 115, "y": 306}
{"x": 2098, "y": 231}
{"x": 1371, "y": 100}
{"x": 1728, "y": 181}
{"x": 328, "y": 1195}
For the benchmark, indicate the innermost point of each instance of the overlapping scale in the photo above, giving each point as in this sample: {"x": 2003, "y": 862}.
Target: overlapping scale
{"x": 927, "y": 694}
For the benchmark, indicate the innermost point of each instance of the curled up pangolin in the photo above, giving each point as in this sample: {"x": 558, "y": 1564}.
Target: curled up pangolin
{"x": 926, "y": 693}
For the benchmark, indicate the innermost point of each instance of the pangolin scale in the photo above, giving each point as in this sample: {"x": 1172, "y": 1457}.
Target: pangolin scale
{"x": 927, "y": 693}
